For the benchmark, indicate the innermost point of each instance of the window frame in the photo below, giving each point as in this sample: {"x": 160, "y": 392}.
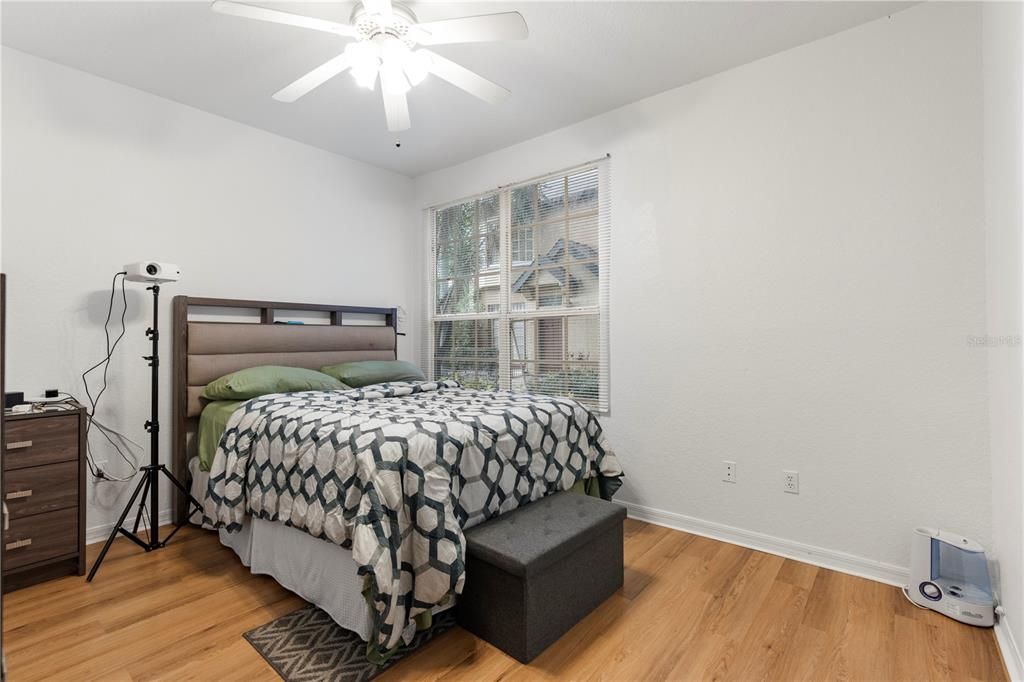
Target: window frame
{"x": 509, "y": 313}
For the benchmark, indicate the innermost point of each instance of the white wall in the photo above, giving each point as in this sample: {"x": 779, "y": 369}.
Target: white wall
{"x": 1003, "y": 25}
{"x": 97, "y": 175}
{"x": 798, "y": 261}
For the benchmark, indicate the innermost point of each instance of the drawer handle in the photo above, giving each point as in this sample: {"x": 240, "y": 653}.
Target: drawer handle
{"x": 18, "y": 494}
{"x": 19, "y": 445}
{"x": 18, "y": 543}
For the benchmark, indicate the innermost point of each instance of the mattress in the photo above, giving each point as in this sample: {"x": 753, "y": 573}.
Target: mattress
{"x": 319, "y": 571}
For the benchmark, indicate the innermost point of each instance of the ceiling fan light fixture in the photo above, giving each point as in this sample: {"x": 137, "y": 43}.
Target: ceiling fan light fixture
{"x": 392, "y": 80}
{"x": 393, "y": 50}
{"x": 365, "y": 78}
{"x": 365, "y": 63}
{"x": 417, "y": 67}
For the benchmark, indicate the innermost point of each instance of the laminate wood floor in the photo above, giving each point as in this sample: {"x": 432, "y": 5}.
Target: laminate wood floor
{"x": 691, "y": 609}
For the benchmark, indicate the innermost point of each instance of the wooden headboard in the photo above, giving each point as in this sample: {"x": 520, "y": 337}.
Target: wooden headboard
{"x": 207, "y": 349}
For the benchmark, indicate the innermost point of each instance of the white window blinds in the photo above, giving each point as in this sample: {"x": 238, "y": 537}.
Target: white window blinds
{"x": 519, "y": 287}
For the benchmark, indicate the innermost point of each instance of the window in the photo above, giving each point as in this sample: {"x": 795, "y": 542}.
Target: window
{"x": 522, "y": 245}
{"x": 520, "y": 288}
{"x": 466, "y": 256}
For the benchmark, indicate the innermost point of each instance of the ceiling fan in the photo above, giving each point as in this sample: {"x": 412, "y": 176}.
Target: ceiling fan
{"x": 386, "y": 37}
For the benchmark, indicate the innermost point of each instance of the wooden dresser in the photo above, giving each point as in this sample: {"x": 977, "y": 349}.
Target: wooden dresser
{"x": 44, "y": 489}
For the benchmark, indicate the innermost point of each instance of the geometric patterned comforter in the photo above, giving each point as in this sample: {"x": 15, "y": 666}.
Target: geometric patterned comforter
{"x": 397, "y": 472}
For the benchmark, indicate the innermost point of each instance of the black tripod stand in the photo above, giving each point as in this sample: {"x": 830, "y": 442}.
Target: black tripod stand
{"x": 150, "y": 481}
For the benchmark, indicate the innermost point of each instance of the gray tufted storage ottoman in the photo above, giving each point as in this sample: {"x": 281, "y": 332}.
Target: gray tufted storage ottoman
{"x": 535, "y": 572}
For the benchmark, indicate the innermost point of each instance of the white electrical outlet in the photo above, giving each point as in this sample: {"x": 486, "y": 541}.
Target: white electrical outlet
{"x": 791, "y": 482}
{"x": 729, "y": 471}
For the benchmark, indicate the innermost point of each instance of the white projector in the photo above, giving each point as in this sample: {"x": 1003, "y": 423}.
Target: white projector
{"x": 152, "y": 271}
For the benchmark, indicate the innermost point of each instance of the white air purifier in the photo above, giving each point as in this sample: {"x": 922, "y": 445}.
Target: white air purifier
{"x": 949, "y": 574}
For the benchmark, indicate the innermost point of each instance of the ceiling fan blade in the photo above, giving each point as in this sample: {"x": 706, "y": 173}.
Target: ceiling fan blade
{"x": 314, "y": 79}
{"x": 463, "y": 78}
{"x": 396, "y": 108}
{"x": 378, "y": 6}
{"x": 481, "y": 29}
{"x": 239, "y": 9}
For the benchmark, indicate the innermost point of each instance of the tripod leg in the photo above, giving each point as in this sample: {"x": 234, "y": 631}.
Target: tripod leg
{"x": 184, "y": 491}
{"x": 180, "y": 486}
{"x": 151, "y": 532}
{"x": 142, "y": 506}
{"x": 114, "y": 532}
{"x": 135, "y": 538}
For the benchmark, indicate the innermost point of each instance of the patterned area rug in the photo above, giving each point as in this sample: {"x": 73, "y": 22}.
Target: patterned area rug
{"x": 307, "y": 646}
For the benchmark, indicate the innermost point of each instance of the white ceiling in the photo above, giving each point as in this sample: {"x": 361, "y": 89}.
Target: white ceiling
{"x": 581, "y": 59}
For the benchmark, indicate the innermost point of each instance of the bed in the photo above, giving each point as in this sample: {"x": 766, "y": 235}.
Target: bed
{"x": 356, "y": 500}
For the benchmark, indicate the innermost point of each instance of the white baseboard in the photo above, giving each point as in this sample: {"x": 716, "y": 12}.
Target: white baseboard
{"x": 819, "y": 556}
{"x": 1010, "y": 651}
{"x": 102, "y": 532}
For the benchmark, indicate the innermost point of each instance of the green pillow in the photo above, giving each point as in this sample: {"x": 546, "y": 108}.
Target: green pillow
{"x": 257, "y": 381}
{"x": 359, "y": 374}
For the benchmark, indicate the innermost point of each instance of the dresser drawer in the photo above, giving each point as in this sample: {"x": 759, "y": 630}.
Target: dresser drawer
{"x": 40, "y": 537}
{"x": 43, "y": 440}
{"x": 35, "y": 490}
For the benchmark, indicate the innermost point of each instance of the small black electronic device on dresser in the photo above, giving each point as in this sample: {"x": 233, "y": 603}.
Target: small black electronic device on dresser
{"x": 44, "y": 490}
